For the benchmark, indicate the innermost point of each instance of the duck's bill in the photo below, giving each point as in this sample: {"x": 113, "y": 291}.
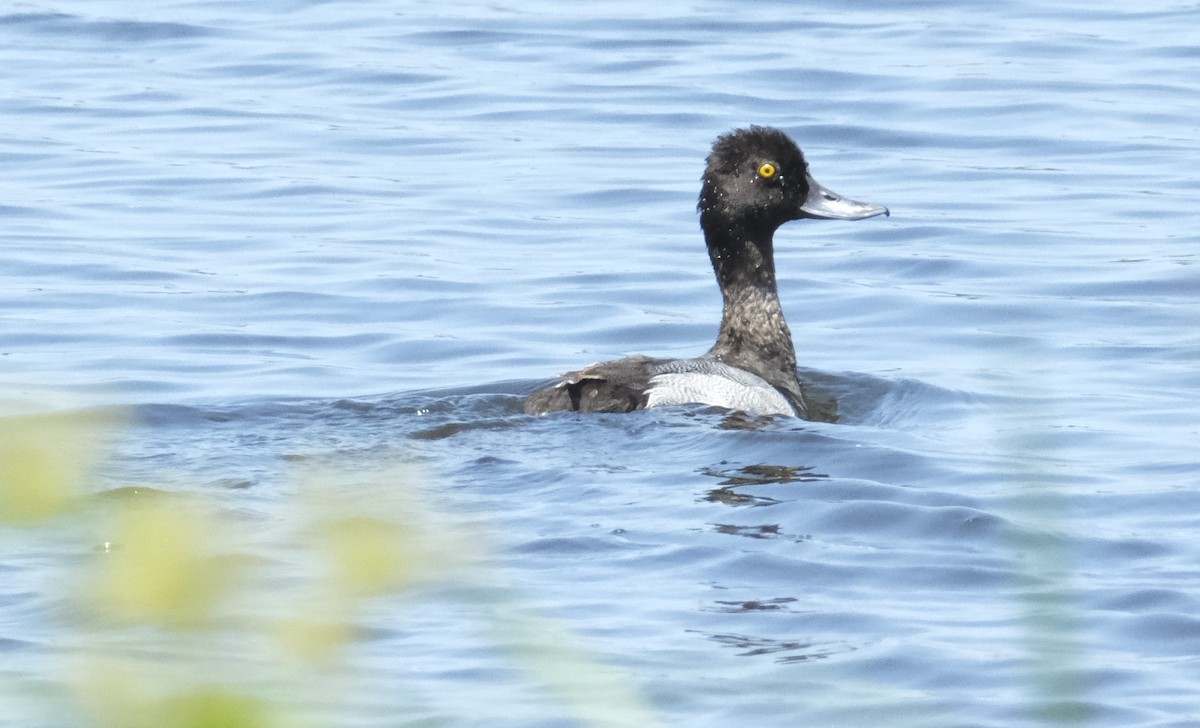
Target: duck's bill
{"x": 825, "y": 204}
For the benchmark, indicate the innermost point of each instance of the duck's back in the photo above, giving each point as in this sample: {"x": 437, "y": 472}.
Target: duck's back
{"x": 638, "y": 382}
{"x": 614, "y": 386}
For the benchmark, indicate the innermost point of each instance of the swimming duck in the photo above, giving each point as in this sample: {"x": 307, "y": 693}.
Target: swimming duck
{"x": 756, "y": 179}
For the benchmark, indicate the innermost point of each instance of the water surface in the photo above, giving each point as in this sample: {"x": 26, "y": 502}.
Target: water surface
{"x": 355, "y": 233}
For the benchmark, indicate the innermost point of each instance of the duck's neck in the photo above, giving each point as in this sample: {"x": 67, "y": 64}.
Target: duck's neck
{"x": 754, "y": 334}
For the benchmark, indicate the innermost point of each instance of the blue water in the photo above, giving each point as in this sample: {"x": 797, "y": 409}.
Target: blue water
{"x": 324, "y": 230}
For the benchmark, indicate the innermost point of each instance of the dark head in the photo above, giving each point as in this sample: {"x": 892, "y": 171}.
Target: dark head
{"x": 758, "y": 176}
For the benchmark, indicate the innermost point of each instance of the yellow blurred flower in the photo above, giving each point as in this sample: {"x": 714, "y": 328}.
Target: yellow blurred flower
{"x": 216, "y": 709}
{"x": 44, "y": 460}
{"x": 119, "y": 694}
{"x": 163, "y": 567}
{"x": 370, "y": 556}
{"x": 312, "y": 639}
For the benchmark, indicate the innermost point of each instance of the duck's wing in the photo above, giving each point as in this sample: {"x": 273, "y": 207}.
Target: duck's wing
{"x": 612, "y": 386}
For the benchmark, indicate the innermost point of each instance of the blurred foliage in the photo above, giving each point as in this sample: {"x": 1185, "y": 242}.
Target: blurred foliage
{"x": 190, "y": 613}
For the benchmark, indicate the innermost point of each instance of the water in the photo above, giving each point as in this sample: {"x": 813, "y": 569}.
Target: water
{"x": 356, "y": 232}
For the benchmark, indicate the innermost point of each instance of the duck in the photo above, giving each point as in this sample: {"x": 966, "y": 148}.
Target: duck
{"x": 755, "y": 180}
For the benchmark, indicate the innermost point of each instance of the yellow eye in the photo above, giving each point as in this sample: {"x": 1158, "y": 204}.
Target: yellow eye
{"x": 767, "y": 171}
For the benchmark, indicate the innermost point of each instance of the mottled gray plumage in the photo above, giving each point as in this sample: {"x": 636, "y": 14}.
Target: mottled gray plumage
{"x": 755, "y": 180}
